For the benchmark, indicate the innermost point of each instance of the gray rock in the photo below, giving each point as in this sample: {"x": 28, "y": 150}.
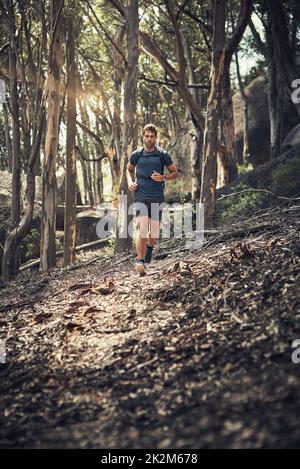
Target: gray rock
{"x": 292, "y": 139}
{"x": 257, "y": 92}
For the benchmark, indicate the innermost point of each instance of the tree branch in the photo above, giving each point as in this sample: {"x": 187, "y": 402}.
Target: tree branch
{"x": 244, "y": 18}
{"x": 259, "y": 43}
{"x": 179, "y": 45}
{"x": 106, "y": 34}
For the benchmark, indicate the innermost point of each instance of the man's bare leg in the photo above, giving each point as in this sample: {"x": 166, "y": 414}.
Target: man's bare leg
{"x": 153, "y": 234}
{"x": 141, "y": 241}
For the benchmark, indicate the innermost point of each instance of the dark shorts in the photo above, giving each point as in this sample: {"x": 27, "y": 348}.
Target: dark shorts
{"x": 152, "y": 209}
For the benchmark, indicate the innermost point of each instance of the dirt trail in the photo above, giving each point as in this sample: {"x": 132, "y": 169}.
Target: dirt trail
{"x": 196, "y": 354}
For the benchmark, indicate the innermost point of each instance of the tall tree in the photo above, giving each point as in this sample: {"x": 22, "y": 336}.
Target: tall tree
{"x": 70, "y": 191}
{"x": 209, "y": 168}
{"x": 246, "y": 145}
{"x": 10, "y": 266}
{"x": 130, "y": 121}
{"x": 227, "y": 119}
{"x": 48, "y": 222}
{"x": 285, "y": 67}
{"x": 32, "y": 133}
{"x": 275, "y": 86}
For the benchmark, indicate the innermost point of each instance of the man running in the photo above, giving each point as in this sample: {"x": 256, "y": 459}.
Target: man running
{"x": 148, "y": 188}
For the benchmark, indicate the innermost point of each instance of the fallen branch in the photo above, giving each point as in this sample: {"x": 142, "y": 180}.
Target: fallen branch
{"x": 36, "y": 262}
{"x": 290, "y": 199}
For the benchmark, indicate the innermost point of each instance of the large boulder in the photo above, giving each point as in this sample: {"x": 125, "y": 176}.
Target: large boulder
{"x": 87, "y": 224}
{"x": 292, "y": 139}
{"x": 259, "y": 122}
{"x": 6, "y": 185}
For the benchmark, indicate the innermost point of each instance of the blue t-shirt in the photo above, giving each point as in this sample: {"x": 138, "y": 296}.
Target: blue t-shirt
{"x": 147, "y": 162}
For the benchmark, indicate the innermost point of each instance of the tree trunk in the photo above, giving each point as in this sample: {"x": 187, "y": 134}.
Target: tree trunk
{"x": 209, "y": 168}
{"x": 70, "y": 188}
{"x": 10, "y": 263}
{"x": 229, "y": 167}
{"x": 18, "y": 233}
{"x": 47, "y": 257}
{"x": 99, "y": 173}
{"x": 282, "y": 47}
{"x": 275, "y": 88}
{"x": 275, "y": 100}
{"x": 130, "y": 123}
{"x": 229, "y": 158}
{"x": 84, "y": 174}
{"x": 86, "y": 149}
{"x": 246, "y": 145}
{"x": 16, "y": 162}
{"x": 197, "y": 137}
{"x": 118, "y": 75}
{"x": 7, "y": 138}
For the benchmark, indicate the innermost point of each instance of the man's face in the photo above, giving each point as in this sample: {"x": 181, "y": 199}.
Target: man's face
{"x": 149, "y": 139}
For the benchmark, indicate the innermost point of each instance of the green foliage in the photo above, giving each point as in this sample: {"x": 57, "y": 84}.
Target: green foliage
{"x": 240, "y": 205}
{"x": 176, "y": 187}
{"x": 30, "y": 245}
{"x": 245, "y": 168}
{"x": 255, "y": 71}
{"x": 111, "y": 243}
{"x": 285, "y": 182}
{"x": 286, "y": 178}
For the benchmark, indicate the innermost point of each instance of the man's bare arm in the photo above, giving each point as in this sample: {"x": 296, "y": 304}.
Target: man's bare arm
{"x": 130, "y": 173}
{"x": 130, "y": 177}
{"x": 173, "y": 173}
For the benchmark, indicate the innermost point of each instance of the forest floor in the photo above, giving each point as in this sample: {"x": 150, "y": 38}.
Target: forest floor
{"x": 197, "y": 354}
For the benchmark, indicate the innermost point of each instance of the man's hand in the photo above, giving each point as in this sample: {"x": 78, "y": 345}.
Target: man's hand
{"x": 157, "y": 177}
{"x": 133, "y": 186}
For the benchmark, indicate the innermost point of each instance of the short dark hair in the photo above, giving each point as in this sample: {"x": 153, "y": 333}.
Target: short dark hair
{"x": 151, "y": 128}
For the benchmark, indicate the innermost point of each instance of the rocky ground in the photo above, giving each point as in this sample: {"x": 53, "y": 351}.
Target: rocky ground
{"x": 197, "y": 354}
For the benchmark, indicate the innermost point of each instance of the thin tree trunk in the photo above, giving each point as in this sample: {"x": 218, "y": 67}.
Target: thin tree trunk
{"x": 130, "y": 123}
{"x": 274, "y": 88}
{"x": 7, "y": 138}
{"x": 246, "y": 145}
{"x": 70, "y": 188}
{"x": 227, "y": 128}
{"x": 30, "y": 150}
{"x": 190, "y": 68}
{"x": 99, "y": 173}
{"x": 84, "y": 173}
{"x": 86, "y": 147}
{"x": 16, "y": 162}
{"x": 197, "y": 137}
{"x": 18, "y": 233}
{"x": 10, "y": 266}
{"x": 118, "y": 75}
{"x": 48, "y": 225}
{"x": 209, "y": 168}
{"x": 275, "y": 100}
{"x": 229, "y": 157}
